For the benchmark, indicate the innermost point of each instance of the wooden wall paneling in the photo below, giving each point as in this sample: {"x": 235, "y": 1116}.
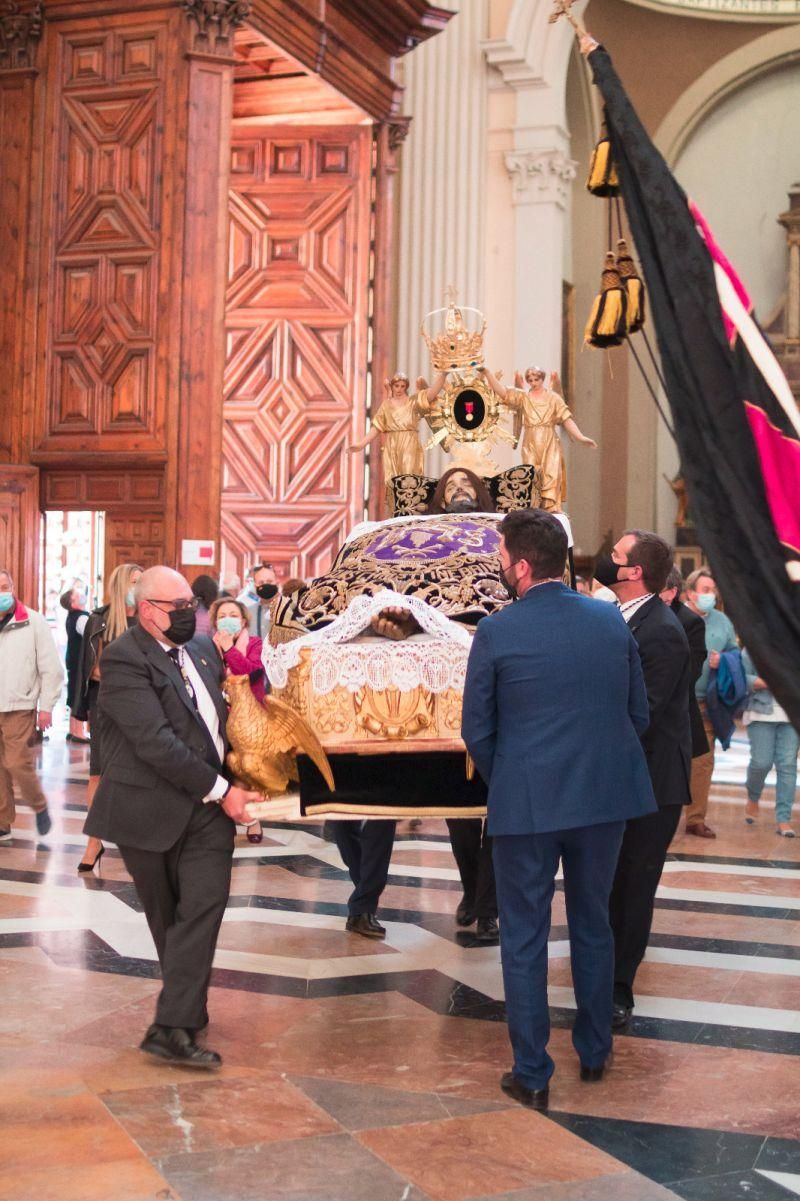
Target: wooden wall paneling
{"x": 297, "y": 326}
{"x": 16, "y": 134}
{"x": 19, "y": 528}
{"x": 205, "y": 230}
{"x": 111, "y": 107}
{"x": 103, "y": 488}
{"x": 351, "y": 43}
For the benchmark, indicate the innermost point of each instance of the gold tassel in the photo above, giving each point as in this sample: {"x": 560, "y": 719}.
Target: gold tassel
{"x": 634, "y": 288}
{"x": 603, "y": 179}
{"x": 607, "y": 321}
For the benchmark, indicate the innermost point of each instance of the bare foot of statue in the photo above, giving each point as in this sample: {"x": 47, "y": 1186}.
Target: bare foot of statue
{"x": 395, "y": 623}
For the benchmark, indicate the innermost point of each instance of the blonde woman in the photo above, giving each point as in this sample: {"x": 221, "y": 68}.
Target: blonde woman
{"x": 103, "y": 626}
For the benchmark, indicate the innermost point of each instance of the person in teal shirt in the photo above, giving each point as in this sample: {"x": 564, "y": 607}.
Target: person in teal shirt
{"x": 701, "y": 597}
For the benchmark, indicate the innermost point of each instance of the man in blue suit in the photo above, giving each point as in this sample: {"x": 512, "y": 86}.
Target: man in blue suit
{"x": 554, "y": 704}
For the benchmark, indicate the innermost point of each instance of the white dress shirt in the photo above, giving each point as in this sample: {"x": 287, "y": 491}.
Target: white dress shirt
{"x": 630, "y": 607}
{"x": 206, "y": 710}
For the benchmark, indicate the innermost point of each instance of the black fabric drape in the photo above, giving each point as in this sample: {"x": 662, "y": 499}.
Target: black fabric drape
{"x": 707, "y": 385}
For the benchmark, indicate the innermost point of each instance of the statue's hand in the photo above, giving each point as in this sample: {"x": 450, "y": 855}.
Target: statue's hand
{"x": 395, "y": 623}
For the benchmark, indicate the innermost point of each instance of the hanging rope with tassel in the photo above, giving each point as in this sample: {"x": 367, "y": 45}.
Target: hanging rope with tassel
{"x": 607, "y": 324}
{"x": 603, "y": 179}
{"x": 634, "y": 288}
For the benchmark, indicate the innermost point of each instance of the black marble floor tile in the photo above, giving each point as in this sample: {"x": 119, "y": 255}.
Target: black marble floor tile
{"x": 781, "y": 1154}
{"x": 667, "y": 1153}
{"x": 680, "y": 857}
{"x": 725, "y": 946}
{"x": 731, "y": 1186}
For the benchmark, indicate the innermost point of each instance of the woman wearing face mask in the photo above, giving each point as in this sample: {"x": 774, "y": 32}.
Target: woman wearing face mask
{"x": 701, "y": 597}
{"x": 241, "y": 654}
{"x": 103, "y": 626}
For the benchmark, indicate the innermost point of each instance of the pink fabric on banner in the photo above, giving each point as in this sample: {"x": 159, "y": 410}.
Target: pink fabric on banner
{"x": 780, "y": 467}
{"x": 720, "y": 258}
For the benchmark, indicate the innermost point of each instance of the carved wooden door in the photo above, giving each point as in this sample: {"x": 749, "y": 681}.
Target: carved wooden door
{"x": 19, "y": 528}
{"x": 296, "y": 327}
{"x": 133, "y": 538}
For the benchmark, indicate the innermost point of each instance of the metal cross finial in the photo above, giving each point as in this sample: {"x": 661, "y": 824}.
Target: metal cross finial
{"x": 563, "y": 8}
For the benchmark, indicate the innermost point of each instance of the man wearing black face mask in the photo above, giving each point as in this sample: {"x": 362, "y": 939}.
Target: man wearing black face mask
{"x": 636, "y": 571}
{"x": 164, "y": 799}
{"x": 266, "y": 585}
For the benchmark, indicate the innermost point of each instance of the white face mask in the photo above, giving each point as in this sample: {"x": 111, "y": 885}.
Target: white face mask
{"x": 604, "y": 594}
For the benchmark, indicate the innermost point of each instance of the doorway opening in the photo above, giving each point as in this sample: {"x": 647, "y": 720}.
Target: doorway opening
{"x": 73, "y": 553}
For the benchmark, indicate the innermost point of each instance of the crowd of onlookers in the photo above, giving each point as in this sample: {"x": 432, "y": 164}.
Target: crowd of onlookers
{"x": 774, "y": 742}
{"x": 237, "y": 618}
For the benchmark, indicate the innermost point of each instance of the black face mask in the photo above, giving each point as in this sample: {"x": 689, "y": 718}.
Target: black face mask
{"x": 606, "y": 571}
{"x": 511, "y": 589}
{"x": 181, "y": 627}
{"x": 267, "y": 591}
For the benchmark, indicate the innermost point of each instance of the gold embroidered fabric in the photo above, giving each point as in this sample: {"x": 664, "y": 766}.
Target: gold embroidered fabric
{"x": 450, "y": 561}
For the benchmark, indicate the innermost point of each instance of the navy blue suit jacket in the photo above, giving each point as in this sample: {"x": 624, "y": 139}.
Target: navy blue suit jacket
{"x": 554, "y": 704}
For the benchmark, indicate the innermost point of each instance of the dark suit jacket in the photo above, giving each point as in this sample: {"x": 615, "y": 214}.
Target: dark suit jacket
{"x": 159, "y": 759}
{"x": 554, "y": 703}
{"x": 695, "y": 630}
{"x": 667, "y": 671}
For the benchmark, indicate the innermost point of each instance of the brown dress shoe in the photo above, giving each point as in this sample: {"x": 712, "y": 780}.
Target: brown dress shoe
{"x": 531, "y": 1098}
{"x": 701, "y": 830}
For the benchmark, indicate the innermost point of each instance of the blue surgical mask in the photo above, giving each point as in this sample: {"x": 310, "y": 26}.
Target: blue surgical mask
{"x": 229, "y": 625}
{"x": 130, "y": 599}
{"x": 706, "y": 601}
{"x": 6, "y": 601}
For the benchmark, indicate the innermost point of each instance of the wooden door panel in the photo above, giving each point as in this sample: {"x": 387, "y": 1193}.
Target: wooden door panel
{"x": 133, "y": 539}
{"x": 19, "y": 528}
{"x": 106, "y": 270}
{"x": 296, "y": 325}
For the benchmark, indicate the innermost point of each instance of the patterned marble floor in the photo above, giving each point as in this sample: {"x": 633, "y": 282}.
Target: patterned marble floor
{"x": 363, "y": 1072}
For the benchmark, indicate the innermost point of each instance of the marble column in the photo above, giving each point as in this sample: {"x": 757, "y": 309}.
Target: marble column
{"x": 443, "y": 179}
{"x": 541, "y": 177}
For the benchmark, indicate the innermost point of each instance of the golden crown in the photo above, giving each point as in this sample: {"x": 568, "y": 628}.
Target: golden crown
{"x": 456, "y": 345}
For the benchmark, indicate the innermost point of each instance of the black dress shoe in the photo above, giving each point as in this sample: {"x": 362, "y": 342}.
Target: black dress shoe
{"x": 593, "y": 1074}
{"x": 175, "y": 1045}
{"x": 465, "y": 914}
{"x": 365, "y": 924}
{"x": 531, "y": 1098}
{"x": 487, "y": 930}
{"x": 44, "y": 823}
{"x": 620, "y": 1016}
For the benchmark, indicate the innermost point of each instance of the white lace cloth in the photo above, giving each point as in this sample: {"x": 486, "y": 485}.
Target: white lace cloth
{"x": 436, "y": 659}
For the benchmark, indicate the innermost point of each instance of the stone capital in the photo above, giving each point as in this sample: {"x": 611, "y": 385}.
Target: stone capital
{"x": 20, "y": 30}
{"x": 540, "y": 176}
{"x": 215, "y": 22}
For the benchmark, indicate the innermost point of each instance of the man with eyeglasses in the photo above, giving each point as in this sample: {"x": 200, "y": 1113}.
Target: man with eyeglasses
{"x": 164, "y": 799}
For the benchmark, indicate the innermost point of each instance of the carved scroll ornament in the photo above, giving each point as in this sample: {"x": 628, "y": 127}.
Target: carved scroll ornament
{"x": 19, "y": 33}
